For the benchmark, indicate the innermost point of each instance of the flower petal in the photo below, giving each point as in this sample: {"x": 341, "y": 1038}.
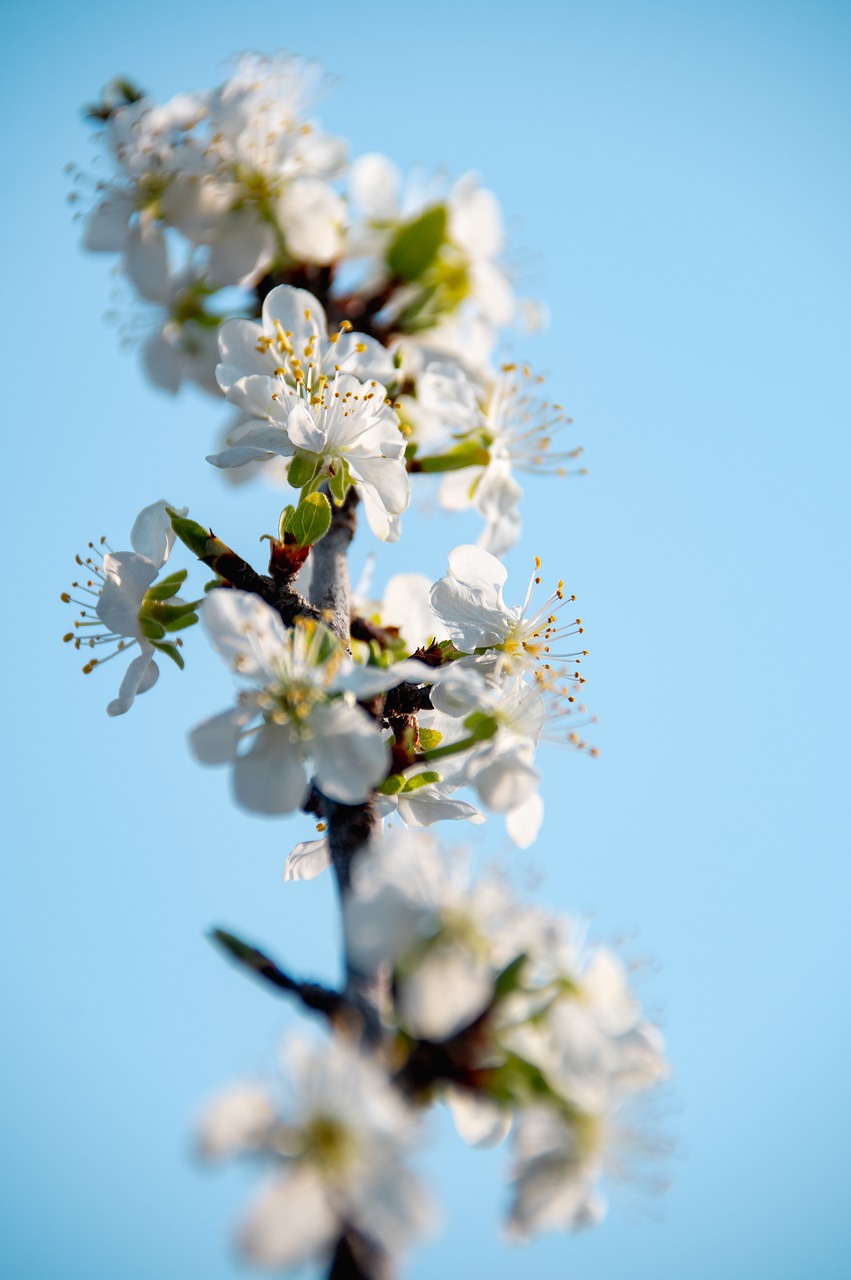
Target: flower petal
{"x": 271, "y": 777}
{"x": 140, "y": 676}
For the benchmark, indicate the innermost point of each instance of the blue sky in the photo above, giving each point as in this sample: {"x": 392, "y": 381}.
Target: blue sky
{"x": 676, "y": 181}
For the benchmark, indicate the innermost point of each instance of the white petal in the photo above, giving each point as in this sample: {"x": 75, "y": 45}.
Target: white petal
{"x": 253, "y": 393}
{"x": 298, "y": 313}
{"x": 376, "y": 186}
{"x": 245, "y": 631}
{"x": 238, "y": 339}
{"x": 163, "y": 363}
{"x": 128, "y": 576}
{"x": 524, "y": 822}
{"x": 480, "y": 1122}
{"x": 350, "y": 755}
{"x": 271, "y": 777}
{"x": 242, "y": 249}
{"x": 303, "y": 431}
{"x": 146, "y": 261}
{"x": 152, "y": 534}
{"x": 215, "y": 741}
{"x": 140, "y": 676}
{"x": 308, "y": 859}
{"x": 290, "y": 1222}
{"x": 236, "y": 1121}
{"x": 447, "y": 990}
{"x": 107, "y": 224}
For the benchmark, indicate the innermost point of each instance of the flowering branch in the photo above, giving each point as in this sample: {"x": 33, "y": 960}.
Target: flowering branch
{"x": 360, "y": 361}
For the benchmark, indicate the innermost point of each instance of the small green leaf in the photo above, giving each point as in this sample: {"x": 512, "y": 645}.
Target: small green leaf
{"x": 392, "y": 785}
{"x": 312, "y": 519}
{"x": 421, "y": 780}
{"x": 430, "y": 738}
{"x": 191, "y": 533}
{"x": 416, "y": 244}
{"x": 285, "y": 523}
{"x": 301, "y": 470}
{"x": 168, "y": 587}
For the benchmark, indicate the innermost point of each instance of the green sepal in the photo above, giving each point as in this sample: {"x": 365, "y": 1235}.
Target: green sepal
{"x": 311, "y": 519}
{"x": 180, "y": 624}
{"x": 168, "y": 587}
{"x": 150, "y": 629}
{"x": 393, "y": 785}
{"x": 416, "y": 244}
{"x": 172, "y": 651}
{"x": 468, "y": 454}
{"x": 339, "y": 482}
{"x": 420, "y": 780}
{"x": 302, "y": 469}
{"x": 481, "y": 725}
{"x": 509, "y": 979}
{"x": 430, "y": 738}
{"x": 449, "y": 651}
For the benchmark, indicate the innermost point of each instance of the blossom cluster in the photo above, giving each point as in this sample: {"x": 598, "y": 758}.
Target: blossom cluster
{"x": 358, "y": 360}
{"x": 214, "y": 198}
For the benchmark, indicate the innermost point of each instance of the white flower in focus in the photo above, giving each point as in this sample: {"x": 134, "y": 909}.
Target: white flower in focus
{"x": 291, "y": 375}
{"x": 299, "y": 708}
{"x": 125, "y": 610}
{"x": 336, "y": 1158}
{"x": 511, "y": 425}
{"x": 470, "y": 603}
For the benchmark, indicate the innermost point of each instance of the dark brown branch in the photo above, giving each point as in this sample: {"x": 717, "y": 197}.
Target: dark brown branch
{"x": 317, "y": 998}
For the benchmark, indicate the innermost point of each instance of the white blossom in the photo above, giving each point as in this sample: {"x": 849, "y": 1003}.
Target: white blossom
{"x": 299, "y": 709}
{"x": 445, "y": 937}
{"x": 119, "y": 609}
{"x": 336, "y": 1157}
{"x": 511, "y": 426}
{"x": 292, "y": 376}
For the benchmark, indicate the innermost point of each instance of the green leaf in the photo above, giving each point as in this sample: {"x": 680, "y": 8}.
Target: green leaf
{"x": 301, "y": 470}
{"x": 312, "y": 519}
{"x": 420, "y": 780}
{"x": 392, "y": 785}
{"x": 168, "y": 587}
{"x": 430, "y": 738}
{"x": 285, "y": 523}
{"x": 416, "y": 244}
{"x": 192, "y": 534}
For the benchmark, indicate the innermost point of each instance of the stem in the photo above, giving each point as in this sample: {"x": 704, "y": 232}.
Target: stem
{"x": 356, "y": 1258}
{"x": 349, "y": 826}
{"x": 329, "y": 584}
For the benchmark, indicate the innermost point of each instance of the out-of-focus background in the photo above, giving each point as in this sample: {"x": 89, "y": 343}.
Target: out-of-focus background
{"x": 676, "y": 184}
